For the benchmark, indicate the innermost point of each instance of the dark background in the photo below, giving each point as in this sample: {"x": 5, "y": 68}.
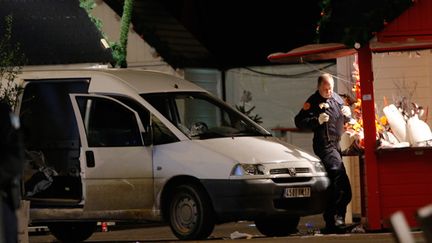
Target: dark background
{"x": 241, "y": 33}
{"x": 208, "y": 33}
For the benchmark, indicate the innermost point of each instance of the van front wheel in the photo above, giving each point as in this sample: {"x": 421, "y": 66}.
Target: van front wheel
{"x": 72, "y": 231}
{"x": 190, "y": 213}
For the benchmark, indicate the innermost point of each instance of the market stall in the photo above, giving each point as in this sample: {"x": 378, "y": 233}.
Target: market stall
{"x": 395, "y": 178}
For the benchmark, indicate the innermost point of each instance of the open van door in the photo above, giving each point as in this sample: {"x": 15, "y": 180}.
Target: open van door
{"x": 52, "y": 176}
{"x": 117, "y": 167}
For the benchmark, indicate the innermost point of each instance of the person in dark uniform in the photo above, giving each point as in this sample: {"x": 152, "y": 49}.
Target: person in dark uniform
{"x": 325, "y": 114}
{"x": 11, "y": 166}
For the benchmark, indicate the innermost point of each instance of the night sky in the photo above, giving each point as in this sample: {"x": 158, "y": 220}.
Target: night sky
{"x": 241, "y": 33}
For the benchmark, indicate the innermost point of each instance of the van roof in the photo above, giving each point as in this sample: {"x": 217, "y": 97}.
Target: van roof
{"x": 143, "y": 81}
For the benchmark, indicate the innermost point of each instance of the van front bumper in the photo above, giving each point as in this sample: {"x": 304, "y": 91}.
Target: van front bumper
{"x": 252, "y": 198}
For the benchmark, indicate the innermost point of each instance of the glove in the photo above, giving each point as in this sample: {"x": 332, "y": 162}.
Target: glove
{"x": 323, "y": 117}
{"x": 346, "y": 111}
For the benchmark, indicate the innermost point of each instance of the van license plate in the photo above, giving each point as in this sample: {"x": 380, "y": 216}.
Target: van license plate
{"x": 291, "y": 192}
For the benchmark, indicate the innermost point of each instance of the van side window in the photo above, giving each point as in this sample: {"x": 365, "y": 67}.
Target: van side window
{"x": 161, "y": 133}
{"x": 143, "y": 113}
{"x": 163, "y": 105}
{"x": 108, "y": 124}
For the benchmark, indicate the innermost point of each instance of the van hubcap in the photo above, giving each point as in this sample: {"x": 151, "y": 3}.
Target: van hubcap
{"x": 186, "y": 214}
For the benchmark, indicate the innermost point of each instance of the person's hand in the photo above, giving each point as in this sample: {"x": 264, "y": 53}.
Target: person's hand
{"x": 323, "y": 117}
{"x": 324, "y": 105}
{"x": 346, "y": 111}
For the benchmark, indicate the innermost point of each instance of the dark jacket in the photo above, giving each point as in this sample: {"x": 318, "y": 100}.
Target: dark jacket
{"x": 11, "y": 155}
{"x": 307, "y": 118}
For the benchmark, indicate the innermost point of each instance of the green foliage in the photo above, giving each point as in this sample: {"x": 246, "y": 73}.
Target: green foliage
{"x": 255, "y": 118}
{"x": 124, "y": 31}
{"x": 351, "y": 21}
{"x": 89, "y": 5}
{"x": 117, "y": 52}
{"x": 245, "y": 102}
{"x": 119, "y": 49}
{"x": 11, "y": 62}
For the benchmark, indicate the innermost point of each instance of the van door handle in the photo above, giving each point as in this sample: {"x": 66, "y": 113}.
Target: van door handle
{"x": 90, "y": 159}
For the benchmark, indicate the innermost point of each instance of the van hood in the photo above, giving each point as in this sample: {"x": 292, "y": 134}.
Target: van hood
{"x": 256, "y": 150}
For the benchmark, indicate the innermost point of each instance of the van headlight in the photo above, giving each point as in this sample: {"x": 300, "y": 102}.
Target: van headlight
{"x": 248, "y": 169}
{"x": 319, "y": 167}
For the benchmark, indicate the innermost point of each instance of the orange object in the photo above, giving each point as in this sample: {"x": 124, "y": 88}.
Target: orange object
{"x": 383, "y": 120}
{"x": 385, "y": 101}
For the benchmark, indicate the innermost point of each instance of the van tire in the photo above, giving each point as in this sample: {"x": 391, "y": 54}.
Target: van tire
{"x": 273, "y": 227}
{"x": 191, "y": 214}
{"x": 72, "y": 231}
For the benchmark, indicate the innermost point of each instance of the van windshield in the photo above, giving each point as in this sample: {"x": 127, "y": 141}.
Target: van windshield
{"x": 200, "y": 116}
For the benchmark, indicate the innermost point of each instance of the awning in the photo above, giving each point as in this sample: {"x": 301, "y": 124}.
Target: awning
{"x": 328, "y": 51}
{"x": 313, "y": 52}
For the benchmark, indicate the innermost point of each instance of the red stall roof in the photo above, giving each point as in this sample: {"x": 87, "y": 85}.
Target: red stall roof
{"x": 327, "y": 51}
{"x": 415, "y": 23}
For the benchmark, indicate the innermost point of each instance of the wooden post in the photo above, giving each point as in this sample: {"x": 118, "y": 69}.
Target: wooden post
{"x": 23, "y": 214}
{"x": 373, "y": 211}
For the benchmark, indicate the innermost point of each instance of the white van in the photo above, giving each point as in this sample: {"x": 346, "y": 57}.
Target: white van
{"x": 115, "y": 145}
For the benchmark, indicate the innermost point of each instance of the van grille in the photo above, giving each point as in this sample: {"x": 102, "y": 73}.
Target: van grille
{"x": 291, "y": 179}
{"x": 286, "y": 170}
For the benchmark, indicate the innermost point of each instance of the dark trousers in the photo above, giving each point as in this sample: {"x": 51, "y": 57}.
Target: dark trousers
{"x": 8, "y": 223}
{"x": 340, "y": 188}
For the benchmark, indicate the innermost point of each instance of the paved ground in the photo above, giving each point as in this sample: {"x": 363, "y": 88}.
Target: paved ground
{"x": 223, "y": 232}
